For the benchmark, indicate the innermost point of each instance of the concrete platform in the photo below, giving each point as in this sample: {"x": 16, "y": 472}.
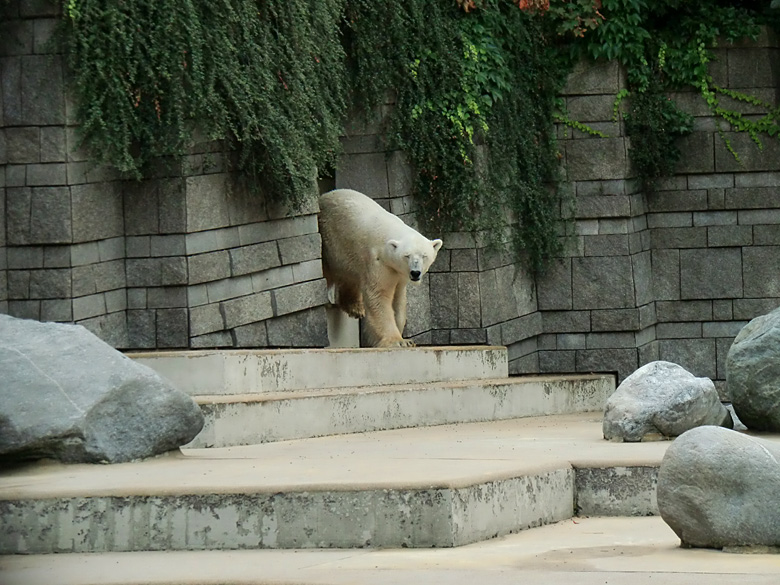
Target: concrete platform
{"x": 438, "y": 486}
{"x": 581, "y": 551}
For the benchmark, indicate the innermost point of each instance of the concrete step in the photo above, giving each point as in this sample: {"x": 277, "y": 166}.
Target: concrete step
{"x": 440, "y": 486}
{"x": 218, "y": 372}
{"x": 274, "y": 416}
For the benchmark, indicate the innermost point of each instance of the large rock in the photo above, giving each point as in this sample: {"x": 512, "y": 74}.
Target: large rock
{"x": 67, "y": 395}
{"x": 719, "y": 488}
{"x": 753, "y": 373}
{"x": 661, "y": 400}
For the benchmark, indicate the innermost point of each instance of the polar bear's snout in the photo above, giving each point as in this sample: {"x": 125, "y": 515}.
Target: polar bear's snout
{"x": 415, "y": 275}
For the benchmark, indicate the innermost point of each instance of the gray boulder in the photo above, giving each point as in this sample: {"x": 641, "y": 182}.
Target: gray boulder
{"x": 67, "y": 395}
{"x": 753, "y": 373}
{"x": 661, "y": 400}
{"x": 720, "y": 488}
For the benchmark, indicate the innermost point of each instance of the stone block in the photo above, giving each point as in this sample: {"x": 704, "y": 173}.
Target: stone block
{"x": 715, "y": 181}
{"x": 40, "y": 79}
{"x": 596, "y": 159}
{"x": 172, "y": 328}
{"x": 11, "y": 90}
{"x": 366, "y": 173}
{"x": 766, "y": 235}
{"x": 765, "y": 179}
{"x": 213, "y": 340}
{"x": 671, "y": 201}
{"x": 642, "y": 267}
{"x": 520, "y": 329}
{"x": 468, "y": 336}
{"x": 557, "y": 362}
{"x": 253, "y": 258}
{"x": 444, "y": 300}
{"x": 207, "y": 202}
{"x": 665, "y": 238}
{"x": 166, "y": 297}
{"x": 89, "y": 306}
{"x": 567, "y": 341}
{"x": 56, "y": 256}
{"x": 97, "y": 211}
{"x": 206, "y": 319}
{"x": 761, "y": 271}
{"x": 43, "y": 31}
{"x": 25, "y": 309}
{"x": 173, "y": 271}
{"x": 610, "y": 340}
{"x": 273, "y": 278}
{"x": 141, "y": 329}
{"x": 671, "y": 311}
{"x": 24, "y": 257}
{"x": 476, "y": 305}
{"x": 566, "y": 321}
{"x": 615, "y": 320}
{"x": 116, "y": 300}
{"x": 728, "y": 329}
{"x": 752, "y": 67}
{"x": 23, "y": 144}
{"x": 668, "y": 220}
{"x": 602, "y": 283}
{"x": 252, "y": 335}
{"x": 758, "y": 216}
{"x": 142, "y": 272}
{"x": 245, "y": 206}
{"x": 399, "y": 174}
{"x": 698, "y": 356}
{"x": 135, "y": 246}
{"x": 722, "y": 310}
{"x": 418, "y": 309}
{"x": 229, "y": 288}
{"x": 16, "y": 36}
{"x": 47, "y": 174}
{"x": 52, "y": 283}
{"x": 299, "y": 249}
{"x": 16, "y": 175}
{"x": 18, "y": 283}
{"x": 208, "y": 267}
{"x": 714, "y": 273}
{"x": 591, "y": 108}
{"x": 554, "y": 286}
{"x": 308, "y": 328}
{"x": 678, "y": 330}
{"x": 619, "y": 360}
{"x": 719, "y": 236}
{"x": 298, "y": 297}
{"x": 464, "y": 260}
{"x": 277, "y": 229}
{"x": 698, "y": 154}
{"x": 709, "y": 218}
{"x": 751, "y": 157}
{"x": 140, "y": 204}
{"x": 136, "y": 298}
{"x": 603, "y": 206}
{"x": 172, "y": 207}
{"x": 170, "y": 245}
{"x": 751, "y": 198}
{"x": 39, "y": 215}
{"x": 60, "y": 310}
{"x": 588, "y": 78}
{"x": 248, "y": 309}
{"x": 607, "y": 245}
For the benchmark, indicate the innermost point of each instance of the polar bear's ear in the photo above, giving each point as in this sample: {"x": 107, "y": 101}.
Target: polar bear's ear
{"x": 436, "y": 245}
{"x": 394, "y": 244}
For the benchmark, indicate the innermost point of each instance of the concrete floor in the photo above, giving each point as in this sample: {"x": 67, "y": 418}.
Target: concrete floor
{"x": 585, "y": 551}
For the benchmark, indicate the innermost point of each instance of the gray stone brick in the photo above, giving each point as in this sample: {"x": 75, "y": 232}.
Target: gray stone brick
{"x": 302, "y": 329}
{"x": 727, "y": 329}
{"x": 172, "y": 330}
{"x": 217, "y": 339}
{"x": 39, "y": 215}
{"x": 16, "y": 36}
{"x": 252, "y": 335}
{"x": 766, "y": 235}
{"x": 97, "y": 212}
{"x": 173, "y": 271}
{"x": 171, "y": 245}
{"x": 207, "y": 205}
{"x": 752, "y": 198}
{"x": 208, "y": 267}
{"x": 18, "y": 283}
{"x": 143, "y": 272}
{"x": 566, "y": 321}
{"x": 759, "y": 216}
{"x": 708, "y": 218}
{"x": 669, "y": 220}
{"x": 642, "y": 268}
{"x": 366, "y": 173}
{"x": 42, "y": 91}
{"x": 675, "y": 311}
{"x": 751, "y": 158}
{"x": 468, "y": 337}
{"x": 172, "y": 210}
{"x": 761, "y": 271}
{"x": 212, "y": 240}
{"x": 298, "y": 297}
{"x": 715, "y": 181}
{"x": 697, "y": 153}
{"x": 273, "y": 230}
{"x": 52, "y": 283}
{"x": 253, "y": 258}
{"x": 619, "y": 360}
{"x": 557, "y": 361}
{"x": 751, "y": 67}
{"x": 590, "y": 108}
{"x": 300, "y": 248}
{"x": 23, "y": 144}
{"x": 25, "y": 257}
{"x": 616, "y": 226}
{"x": 716, "y": 199}
{"x": 596, "y": 159}
{"x": 206, "y": 319}
{"x": 522, "y": 328}
{"x": 166, "y": 297}
{"x": 141, "y": 208}
{"x": 589, "y": 78}
{"x": 693, "y": 237}
{"x": 722, "y": 310}
{"x": 47, "y": 174}
{"x": 614, "y": 245}
{"x": 610, "y": 340}
{"x": 57, "y": 310}
{"x": 602, "y": 283}
{"x": 747, "y": 309}
{"x": 768, "y": 179}
{"x": 399, "y": 174}
{"x": 89, "y": 306}
{"x": 43, "y": 31}
{"x": 670, "y": 201}
{"x": 729, "y": 235}
{"x": 116, "y": 300}
{"x": 25, "y": 309}
{"x": 645, "y": 336}
{"x": 138, "y": 246}
{"x": 615, "y": 320}
{"x": 472, "y": 308}
{"x": 248, "y": 309}
{"x": 711, "y": 273}
{"x": 464, "y": 260}
{"x": 141, "y": 329}
{"x": 310, "y": 270}
{"x": 56, "y": 256}
{"x": 273, "y": 278}
{"x": 695, "y": 355}
{"x": 554, "y": 286}
{"x": 567, "y": 341}
{"x": 109, "y": 275}
{"x": 111, "y": 249}
{"x": 136, "y": 298}
{"x": 229, "y": 288}
{"x": 678, "y": 330}
{"x": 16, "y": 175}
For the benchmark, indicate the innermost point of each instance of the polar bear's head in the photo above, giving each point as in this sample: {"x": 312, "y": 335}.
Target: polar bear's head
{"x": 412, "y": 256}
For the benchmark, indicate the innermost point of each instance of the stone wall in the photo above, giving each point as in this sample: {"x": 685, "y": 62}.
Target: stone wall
{"x": 187, "y": 258}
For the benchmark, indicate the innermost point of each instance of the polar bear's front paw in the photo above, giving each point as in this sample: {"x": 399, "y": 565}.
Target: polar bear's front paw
{"x": 395, "y": 342}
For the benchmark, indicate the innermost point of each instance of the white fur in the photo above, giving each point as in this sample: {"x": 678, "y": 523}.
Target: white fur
{"x": 369, "y": 256}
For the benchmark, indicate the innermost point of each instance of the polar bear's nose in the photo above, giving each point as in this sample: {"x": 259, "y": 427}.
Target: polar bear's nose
{"x": 414, "y": 274}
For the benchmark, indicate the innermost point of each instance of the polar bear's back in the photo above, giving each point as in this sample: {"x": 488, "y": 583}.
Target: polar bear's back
{"x": 345, "y": 213}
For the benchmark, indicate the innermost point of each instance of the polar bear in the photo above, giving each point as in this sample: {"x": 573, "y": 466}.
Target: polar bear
{"x": 368, "y": 257}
